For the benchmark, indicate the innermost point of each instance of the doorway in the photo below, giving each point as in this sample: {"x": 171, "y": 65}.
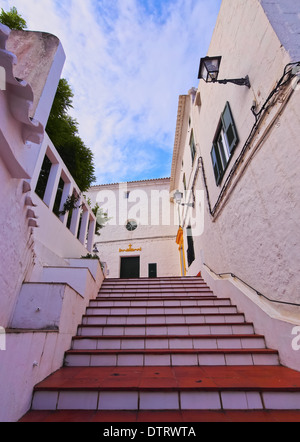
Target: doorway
{"x": 130, "y": 267}
{"x": 152, "y": 270}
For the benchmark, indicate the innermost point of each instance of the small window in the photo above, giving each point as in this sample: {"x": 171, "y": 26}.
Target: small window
{"x": 131, "y": 225}
{"x": 126, "y": 195}
{"x": 224, "y": 144}
{"x": 193, "y": 146}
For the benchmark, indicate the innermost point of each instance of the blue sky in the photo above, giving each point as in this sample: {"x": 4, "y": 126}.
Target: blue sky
{"x": 127, "y": 62}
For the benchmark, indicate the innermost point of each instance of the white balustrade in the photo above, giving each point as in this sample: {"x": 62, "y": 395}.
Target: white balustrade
{"x": 83, "y": 221}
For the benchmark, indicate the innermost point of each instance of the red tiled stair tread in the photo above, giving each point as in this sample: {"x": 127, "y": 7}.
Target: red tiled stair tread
{"x": 133, "y": 327}
{"x": 147, "y": 297}
{"x": 168, "y": 324}
{"x": 188, "y": 337}
{"x": 161, "y": 315}
{"x": 157, "y": 298}
{"x": 214, "y": 378}
{"x": 162, "y": 280}
{"x": 170, "y": 307}
{"x": 146, "y": 300}
{"x": 159, "y": 292}
{"x": 165, "y": 286}
{"x": 166, "y": 294}
{"x": 160, "y": 416}
{"x": 172, "y": 351}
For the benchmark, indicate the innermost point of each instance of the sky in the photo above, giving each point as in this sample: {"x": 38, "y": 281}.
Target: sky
{"x": 127, "y": 62}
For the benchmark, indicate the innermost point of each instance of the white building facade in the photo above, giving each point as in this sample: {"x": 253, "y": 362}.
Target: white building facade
{"x": 249, "y": 171}
{"x": 239, "y": 145}
{"x": 139, "y": 238}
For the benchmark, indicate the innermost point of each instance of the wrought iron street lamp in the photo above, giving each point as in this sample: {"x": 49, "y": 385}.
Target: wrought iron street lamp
{"x": 178, "y": 197}
{"x": 209, "y": 72}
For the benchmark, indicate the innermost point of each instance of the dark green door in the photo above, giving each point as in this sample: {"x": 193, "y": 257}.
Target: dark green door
{"x": 152, "y": 270}
{"x": 130, "y": 268}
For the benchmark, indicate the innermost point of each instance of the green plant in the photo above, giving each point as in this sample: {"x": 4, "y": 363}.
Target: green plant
{"x": 101, "y": 216}
{"x": 90, "y": 256}
{"x": 63, "y": 132}
{"x": 13, "y": 19}
{"x": 70, "y": 204}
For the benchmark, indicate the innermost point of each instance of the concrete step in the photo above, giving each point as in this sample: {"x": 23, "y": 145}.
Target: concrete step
{"x": 168, "y": 344}
{"x": 210, "y": 342}
{"x": 170, "y": 388}
{"x": 150, "y": 416}
{"x": 157, "y": 293}
{"x": 122, "y": 311}
{"x": 162, "y": 319}
{"x": 162, "y": 302}
{"x": 167, "y": 329}
{"x": 172, "y": 358}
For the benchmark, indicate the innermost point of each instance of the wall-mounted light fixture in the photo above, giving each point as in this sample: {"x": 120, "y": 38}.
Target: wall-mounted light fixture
{"x": 209, "y": 72}
{"x": 178, "y": 197}
{"x": 95, "y": 248}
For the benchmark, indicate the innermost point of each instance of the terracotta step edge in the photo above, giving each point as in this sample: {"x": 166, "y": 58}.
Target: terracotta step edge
{"x": 237, "y": 336}
{"x": 175, "y": 351}
{"x": 169, "y": 325}
{"x": 152, "y": 315}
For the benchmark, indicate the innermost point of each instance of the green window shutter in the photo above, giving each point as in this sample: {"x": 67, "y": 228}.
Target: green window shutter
{"x": 191, "y": 248}
{"x": 229, "y": 128}
{"x": 217, "y": 163}
{"x": 192, "y": 146}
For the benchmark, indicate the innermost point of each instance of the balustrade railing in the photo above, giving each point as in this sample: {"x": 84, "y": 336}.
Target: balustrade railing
{"x": 55, "y": 186}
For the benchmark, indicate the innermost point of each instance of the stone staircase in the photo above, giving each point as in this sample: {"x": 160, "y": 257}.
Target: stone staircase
{"x": 166, "y": 344}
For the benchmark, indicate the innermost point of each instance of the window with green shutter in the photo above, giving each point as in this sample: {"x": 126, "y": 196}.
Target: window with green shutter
{"x": 193, "y": 146}
{"x": 217, "y": 165}
{"x": 229, "y": 128}
{"x": 224, "y": 144}
{"x": 191, "y": 249}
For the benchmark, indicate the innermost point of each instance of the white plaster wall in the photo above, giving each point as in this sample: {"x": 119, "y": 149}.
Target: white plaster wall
{"x": 15, "y": 245}
{"x": 14, "y": 153}
{"x": 258, "y": 231}
{"x": 18, "y": 373}
{"x": 40, "y": 61}
{"x": 32, "y": 355}
{"x": 287, "y": 26}
{"x": 54, "y": 242}
{"x": 75, "y": 277}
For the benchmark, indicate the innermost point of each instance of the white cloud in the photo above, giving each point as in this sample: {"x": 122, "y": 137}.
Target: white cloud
{"x": 127, "y": 62}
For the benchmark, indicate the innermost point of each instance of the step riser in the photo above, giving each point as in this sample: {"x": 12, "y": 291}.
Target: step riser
{"x": 172, "y": 360}
{"x": 164, "y": 400}
{"x": 159, "y": 311}
{"x": 154, "y": 290}
{"x": 242, "y": 329}
{"x": 162, "y": 320}
{"x": 166, "y": 344}
{"x": 162, "y": 281}
{"x": 152, "y": 287}
{"x": 157, "y": 295}
{"x": 159, "y": 303}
